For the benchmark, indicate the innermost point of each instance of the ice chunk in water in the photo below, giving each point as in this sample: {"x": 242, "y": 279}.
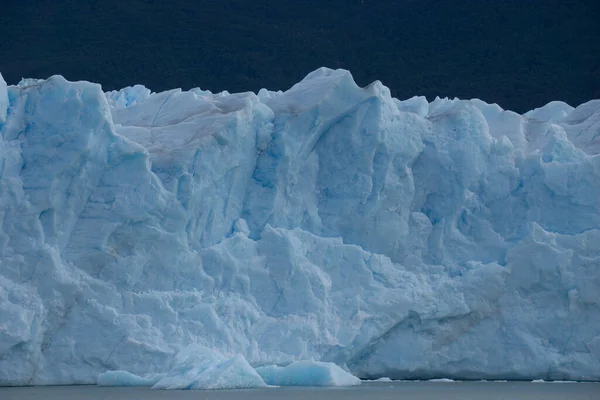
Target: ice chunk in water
{"x": 198, "y": 367}
{"x": 307, "y": 373}
{"x": 124, "y": 378}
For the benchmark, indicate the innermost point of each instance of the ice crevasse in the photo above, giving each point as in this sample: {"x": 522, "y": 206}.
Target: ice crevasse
{"x": 329, "y": 222}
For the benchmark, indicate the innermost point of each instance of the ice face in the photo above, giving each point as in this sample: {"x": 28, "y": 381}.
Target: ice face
{"x": 329, "y": 222}
{"x": 3, "y": 100}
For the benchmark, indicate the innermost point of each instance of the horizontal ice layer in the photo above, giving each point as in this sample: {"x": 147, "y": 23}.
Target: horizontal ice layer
{"x": 403, "y": 239}
{"x": 307, "y": 373}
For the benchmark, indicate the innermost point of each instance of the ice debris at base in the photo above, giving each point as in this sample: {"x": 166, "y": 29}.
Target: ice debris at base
{"x": 383, "y": 379}
{"x": 443, "y": 380}
{"x": 124, "y": 378}
{"x": 198, "y": 367}
{"x": 405, "y": 239}
{"x": 307, "y": 373}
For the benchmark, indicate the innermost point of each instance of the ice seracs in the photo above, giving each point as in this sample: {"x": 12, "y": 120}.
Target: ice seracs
{"x": 329, "y": 222}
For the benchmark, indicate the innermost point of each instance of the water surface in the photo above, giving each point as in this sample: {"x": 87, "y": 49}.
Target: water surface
{"x": 369, "y": 390}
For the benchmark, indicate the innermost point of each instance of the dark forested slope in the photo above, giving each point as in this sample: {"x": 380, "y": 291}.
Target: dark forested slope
{"x": 518, "y": 53}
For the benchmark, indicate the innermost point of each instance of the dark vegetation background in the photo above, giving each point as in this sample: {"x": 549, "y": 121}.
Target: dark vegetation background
{"x": 518, "y": 53}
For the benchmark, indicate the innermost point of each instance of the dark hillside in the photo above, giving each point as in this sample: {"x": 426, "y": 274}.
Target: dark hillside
{"x": 518, "y": 53}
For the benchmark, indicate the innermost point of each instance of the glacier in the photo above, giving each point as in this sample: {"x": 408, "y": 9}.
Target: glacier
{"x": 329, "y": 222}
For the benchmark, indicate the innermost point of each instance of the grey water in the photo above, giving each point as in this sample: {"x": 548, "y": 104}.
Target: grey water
{"x": 368, "y": 390}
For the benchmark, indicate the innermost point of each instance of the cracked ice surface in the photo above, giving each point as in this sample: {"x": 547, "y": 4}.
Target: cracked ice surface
{"x": 403, "y": 239}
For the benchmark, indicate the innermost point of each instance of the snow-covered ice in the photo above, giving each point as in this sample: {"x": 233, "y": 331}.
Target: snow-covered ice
{"x": 328, "y": 222}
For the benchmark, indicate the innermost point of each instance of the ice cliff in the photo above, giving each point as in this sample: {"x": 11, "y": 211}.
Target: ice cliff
{"x": 404, "y": 239}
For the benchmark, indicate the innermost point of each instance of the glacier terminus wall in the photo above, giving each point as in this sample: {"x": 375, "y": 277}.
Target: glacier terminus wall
{"x": 328, "y": 222}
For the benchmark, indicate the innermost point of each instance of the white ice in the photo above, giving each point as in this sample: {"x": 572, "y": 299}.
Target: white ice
{"x": 328, "y": 222}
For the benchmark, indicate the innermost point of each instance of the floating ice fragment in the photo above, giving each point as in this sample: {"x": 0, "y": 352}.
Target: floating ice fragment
{"x": 307, "y": 373}
{"x": 198, "y": 367}
{"x": 124, "y": 378}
